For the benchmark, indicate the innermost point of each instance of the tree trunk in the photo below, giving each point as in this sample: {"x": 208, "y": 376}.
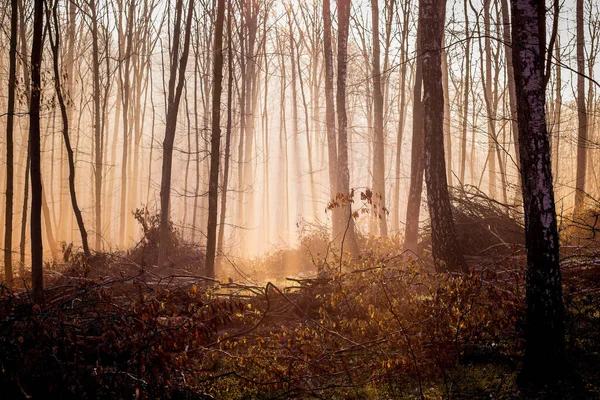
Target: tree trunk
{"x": 445, "y": 249}
{"x": 416, "y": 160}
{"x": 557, "y": 114}
{"x": 378, "y": 129}
{"x": 348, "y": 234}
{"x": 12, "y": 83}
{"x": 447, "y": 117}
{"x": 582, "y": 130}
{"x": 510, "y": 75}
{"x": 544, "y": 361}
{"x": 295, "y": 130}
{"x": 125, "y": 78}
{"x": 37, "y": 253}
{"x": 174, "y": 98}
{"x": 55, "y": 46}
{"x": 330, "y": 120}
{"x": 215, "y": 143}
{"x": 401, "y": 115}
{"x": 466, "y": 89}
{"x": 221, "y": 234}
{"x": 98, "y": 170}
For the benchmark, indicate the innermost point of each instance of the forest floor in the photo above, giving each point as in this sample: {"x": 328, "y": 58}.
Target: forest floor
{"x": 378, "y": 326}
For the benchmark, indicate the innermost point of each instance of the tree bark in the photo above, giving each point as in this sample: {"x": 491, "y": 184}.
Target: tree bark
{"x": 330, "y": 120}
{"x": 37, "y": 254}
{"x": 557, "y": 114}
{"x": 349, "y": 233}
{"x": 413, "y": 208}
{"x": 221, "y": 234}
{"x": 446, "y": 252}
{"x": 466, "y": 89}
{"x": 12, "y": 83}
{"x": 510, "y": 76}
{"x": 545, "y": 359}
{"x": 174, "y": 98}
{"x": 98, "y": 158}
{"x": 582, "y": 127}
{"x": 215, "y": 143}
{"x": 55, "y": 46}
{"x": 401, "y": 115}
{"x": 378, "y": 129}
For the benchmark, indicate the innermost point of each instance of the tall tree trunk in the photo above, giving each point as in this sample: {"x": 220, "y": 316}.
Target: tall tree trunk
{"x": 582, "y": 130}
{"x": 378, "y": 139}
{"x": 510, "y": 75}
{"x": 445, "y": 249}
{"x": 215, "y": 143}
{"x": 447, "y": 117}
{"x": 295, "y": 130}
{"x": 12, "y": 83}
{"x": 330, "y": 120}
{"x": 401, "y": 115}
{"x": 251, "y": 23}
{"x": 221, "y": 234}
{"x": 349, "y": 234}
{"x": 125, "y": 78}
{"x": 23, "y": 238}
{"x": 174, "y": 98}
{"x": 416, "y": 160}
{"x": 98, "y": 158}
{"x": 466, "y": 90}
{"x": 544, "y": 361}
{"x": 37, "y": 253}
{"x": 55, "y": 46}
{"x": 486, "y": 73}
{"x": 283, "y": 144}
{"x": 265, "y": 125}
{"x": 557, "y": 113}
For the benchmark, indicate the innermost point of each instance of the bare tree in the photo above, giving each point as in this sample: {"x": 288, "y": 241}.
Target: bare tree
{"x": 582, "y": 130}
{"x": 55, "y": 46}
{"x": 174, "y": 98}
{"x": 402, "y": 104}
{"x": 215, "y": 142}
{"x": 98, "y": 157}
{"x": 349, "y": 234}
{"x": 378, "y": 139}
{"x": 12, "y": 83}
{"x": 221, "y": 234}
{"x": 35, "y": 149}
{"x": 416, "y": 160}
{"x": 332, "y": 151}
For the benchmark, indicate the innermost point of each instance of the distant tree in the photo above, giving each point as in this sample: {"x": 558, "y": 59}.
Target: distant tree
{"x": 35, "y": 149}
{"x": 215, "y": 142}
{"x": 545, "y": 360}
{"x": 445, "y": 249}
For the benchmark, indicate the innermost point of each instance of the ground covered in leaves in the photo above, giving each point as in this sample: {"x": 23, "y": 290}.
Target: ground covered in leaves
{"x": 380, "y": 326}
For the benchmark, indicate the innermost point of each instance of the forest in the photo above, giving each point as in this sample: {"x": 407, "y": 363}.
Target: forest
{"x": 311, "y": 199}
